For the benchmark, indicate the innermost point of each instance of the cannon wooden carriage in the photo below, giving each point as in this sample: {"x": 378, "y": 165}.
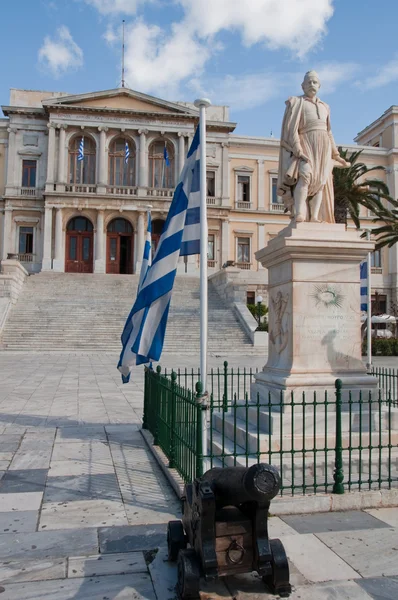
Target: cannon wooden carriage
{"x": 224, "y": 530}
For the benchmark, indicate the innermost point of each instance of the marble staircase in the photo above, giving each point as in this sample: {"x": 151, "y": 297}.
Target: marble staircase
{"x": 87, "y": 312}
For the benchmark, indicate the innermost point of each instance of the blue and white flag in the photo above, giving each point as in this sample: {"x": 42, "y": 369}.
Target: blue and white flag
{"x": 147, "y": 258}
{"x": 80, "y": 155}
{"x": 126, "y": 153}
{"x": 145, "y": 328}
{"x": 166, "y": 156}
{"x": 364, "y": 284}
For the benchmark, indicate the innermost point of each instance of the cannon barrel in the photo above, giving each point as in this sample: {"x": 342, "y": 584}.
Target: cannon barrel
{"x": 237, "y": 485}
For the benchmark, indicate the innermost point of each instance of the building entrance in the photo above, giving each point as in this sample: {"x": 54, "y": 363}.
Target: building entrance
{"x": 79, "y": 246}
{"x": 120, "y": 245}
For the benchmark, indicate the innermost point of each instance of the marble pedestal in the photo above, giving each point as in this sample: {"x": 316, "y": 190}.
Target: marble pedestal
{"x": 314, "y": 311}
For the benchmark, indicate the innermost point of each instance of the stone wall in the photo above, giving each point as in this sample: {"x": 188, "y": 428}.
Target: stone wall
{"x": 232, "y": 284}
{"x": 12, "y": 278}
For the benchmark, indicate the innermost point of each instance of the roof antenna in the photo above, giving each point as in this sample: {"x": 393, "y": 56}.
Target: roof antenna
{"x": 123, "y": 82}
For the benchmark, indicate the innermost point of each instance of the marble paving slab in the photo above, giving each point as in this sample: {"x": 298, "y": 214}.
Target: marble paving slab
{"x": 26, "y": 570}
{"x": 82, "y": 513}
{"x": 61, "y": 468}
{"x": 332, "y": 521}
{"x": 107, "y": 564}
{"x": 103, "y": 486}
{"x": 380, "y": 588}
{"x": 48, "y": 544}
{"x": 387, "y": 515}
{"x": 24, "y": 502}
{"x": 120, "y": 587}
{"x": 23, "y": 481}
{"x": 80, "y": 434}
{"x": 315, "y": 560}
{"x": 131, "y": 538}
{"x": 18, "y": 521}
{"x": 369, "y": 554}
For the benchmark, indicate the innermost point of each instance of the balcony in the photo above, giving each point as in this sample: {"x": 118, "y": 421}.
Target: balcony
{"x": 211, "y": 263}
{"x": 160, "y": 192}
{"x": 243, "y": 265}
{"x": 121, "y": 190}
{"x": 26, "y": 192}
{"x": 376, "y": 270}
{"x": 81, "y": 188}
{"x": 242, "y": 204}
{"x": 277, "y": 207}
{"x": 23, "y": 258}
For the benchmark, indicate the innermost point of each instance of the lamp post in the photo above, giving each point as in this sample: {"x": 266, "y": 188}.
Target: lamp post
{"x": 259, "y": 300}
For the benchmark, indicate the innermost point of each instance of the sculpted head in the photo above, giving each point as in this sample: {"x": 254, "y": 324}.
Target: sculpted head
{"x": 311, "y": 84}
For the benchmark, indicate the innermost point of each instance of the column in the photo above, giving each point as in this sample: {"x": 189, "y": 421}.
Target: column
{"x": 12, "y": 159}
{"x": 7, "y": 225}
{"x": 59, "y": 254}
{"x": 261, "y": 189}
{"x": 140, "y": 242}
{"x": 181, "y": 151}
{"x": 102, "y": 163}
{"x": 225, "y": 242}
{"x": 99, "y": 262}
{"x": 143, "y": 163}
{"x": 260, "y": 241}
{"x": 51, "y": 157}
{"x": 225, "y": 175}
{"x": 61, "y": 158}
{"x": 47, "y": 238}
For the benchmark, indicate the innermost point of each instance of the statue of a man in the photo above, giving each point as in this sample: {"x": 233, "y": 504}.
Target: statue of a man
{"x": 308, "y": 154}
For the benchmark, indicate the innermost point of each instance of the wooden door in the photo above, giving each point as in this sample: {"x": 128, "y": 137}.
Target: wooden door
{"x": 79, "y": 252}
{"x": 113, "y": 253}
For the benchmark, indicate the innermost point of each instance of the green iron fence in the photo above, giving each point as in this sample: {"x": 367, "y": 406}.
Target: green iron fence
{"x": 388, "y": 382}
{"x": 334, "y": 441}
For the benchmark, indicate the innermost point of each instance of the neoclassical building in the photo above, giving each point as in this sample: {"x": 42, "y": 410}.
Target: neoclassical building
{"x": 66, "y": 213}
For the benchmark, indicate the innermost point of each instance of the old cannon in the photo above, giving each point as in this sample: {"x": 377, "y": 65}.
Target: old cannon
{"x": 225, "y": 523}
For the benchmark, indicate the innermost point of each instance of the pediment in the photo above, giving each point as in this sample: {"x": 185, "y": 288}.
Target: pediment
{"x": 122, "y": 99}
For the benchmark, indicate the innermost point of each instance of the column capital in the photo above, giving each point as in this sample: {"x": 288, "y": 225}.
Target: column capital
{"x": 12, "y": 129}
{"x": 143, "y": 131}
{"x": 63, "y": 126}
{"x": 52, "y": 125}
{"x": 181, "y": 134}
{"x": 224, "y": 144}
{"x": 162, "y": 132}
{"x": 260, "y": 161}
{"x": 103, "y": 128}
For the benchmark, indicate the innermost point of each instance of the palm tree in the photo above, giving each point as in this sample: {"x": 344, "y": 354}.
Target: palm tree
{"x": 386, "y": 234}
{"x": 351, "y": 191}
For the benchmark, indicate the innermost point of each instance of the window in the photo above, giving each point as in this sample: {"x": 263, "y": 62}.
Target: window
{"x": 243, "y": 188}
{"x": 250, "y": 297}
{"x": 122, "y": 173}
{"x": 375, "y": 259}
{"x": 210, "y": 247}
{"x": 82, "y": 171}
{"x": 275, "y": 199}
{"x": 79, "y": 224}
{"x": 211, "y": 183}
{"x": 120, "y": 226}
{"x": 29, "y": 173}
{"x": 161, "y": 175}
{"x": 243, "y": 250}
{"x": 25, "y": 240}
{"x": 379, "y": 304}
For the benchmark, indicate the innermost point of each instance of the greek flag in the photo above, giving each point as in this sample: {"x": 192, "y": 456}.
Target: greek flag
{"x": 126, "y": 153}
{"x": 145, "y": 328}
{"x": 147, "y": 258}
{"x": 80, "y": 155}
{"x": 166, "y": 156}
{"x": 364, "y": 285}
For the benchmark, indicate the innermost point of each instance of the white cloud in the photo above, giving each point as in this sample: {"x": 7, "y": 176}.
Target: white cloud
{"x": 108, "y": 7}
{"x": 385, "y": 75}
{"x": 111, "y": 36}
{"x": 157, "y": 63}
{"x": 61, "y": 53}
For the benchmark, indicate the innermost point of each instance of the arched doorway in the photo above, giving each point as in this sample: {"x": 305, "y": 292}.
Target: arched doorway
{"x": 119, "y": 247}
{"x": 157, "y": 230}
{"x": 79, "y": 246}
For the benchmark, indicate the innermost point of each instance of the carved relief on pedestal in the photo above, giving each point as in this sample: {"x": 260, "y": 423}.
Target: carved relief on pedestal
{"x": 279, "y": 333}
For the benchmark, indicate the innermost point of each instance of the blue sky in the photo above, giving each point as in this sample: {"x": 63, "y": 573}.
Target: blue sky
{"x": 249, "y": 54}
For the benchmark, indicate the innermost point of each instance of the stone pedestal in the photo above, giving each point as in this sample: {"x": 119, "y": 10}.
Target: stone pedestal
{"x": 314, "y": 311}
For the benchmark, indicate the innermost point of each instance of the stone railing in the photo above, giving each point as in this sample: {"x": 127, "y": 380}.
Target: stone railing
{"x": 161, "y": 192}
{"x": 376, "y": 270}
{"x": 121, "y": 190}
{"x": 279, "y": 208}
{"x": 78, "y": 188}
{"x": 12, "y": 278}
{"x": 243, "y": 205}
{"x": 26, "y": 257}
{"x": 243, "y": 265}
{"x": 30, "y": 192}
{"x": 211, "y": 263}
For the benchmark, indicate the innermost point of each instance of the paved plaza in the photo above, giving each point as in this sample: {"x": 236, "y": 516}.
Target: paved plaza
{"x": 84, "y": 506}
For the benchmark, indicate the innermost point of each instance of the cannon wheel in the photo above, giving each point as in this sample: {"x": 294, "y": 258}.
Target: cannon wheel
{"x": 188, "y": 574}
{"x": 175, "y": 539}
{"x": 278, "y": 581}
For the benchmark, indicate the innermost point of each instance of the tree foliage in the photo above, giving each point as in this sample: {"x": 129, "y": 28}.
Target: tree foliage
{"x": 353, "y": 189}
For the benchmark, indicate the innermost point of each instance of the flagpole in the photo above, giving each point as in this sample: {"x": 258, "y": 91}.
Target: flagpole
{"x": 202, "y": 104}
{"x": 369, "y": 311}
